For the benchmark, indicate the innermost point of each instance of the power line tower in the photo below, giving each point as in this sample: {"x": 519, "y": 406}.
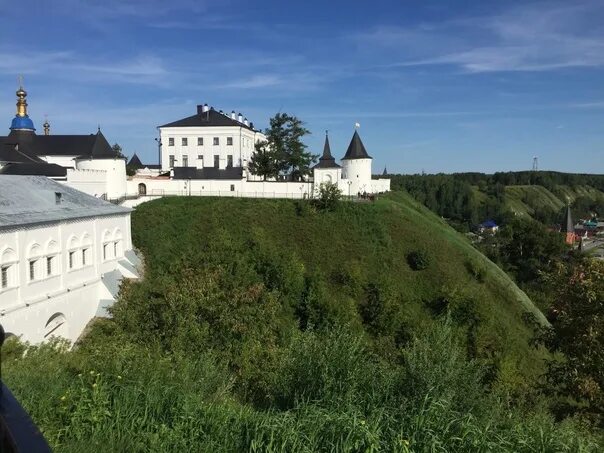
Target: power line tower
{"x": 535, "y": 163}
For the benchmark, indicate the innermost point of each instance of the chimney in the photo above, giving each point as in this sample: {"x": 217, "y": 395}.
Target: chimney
{"x": 246, "y": 122}
{"x": 200, "y": 109}
{"x": 211, "y": 108}
{"x": 252, "y": 125}
{"x": 205, "y": 108}
{"x": 240, "y": 117}
{"x": 233, "y": 115}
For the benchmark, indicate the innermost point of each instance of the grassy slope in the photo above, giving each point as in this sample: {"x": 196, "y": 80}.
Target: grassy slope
{"x": 368, "y": 241}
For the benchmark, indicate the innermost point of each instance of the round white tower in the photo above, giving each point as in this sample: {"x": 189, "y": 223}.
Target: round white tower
{"x": 356, "y": 167}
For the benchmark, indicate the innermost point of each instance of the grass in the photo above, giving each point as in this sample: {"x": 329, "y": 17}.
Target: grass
{"x": 264, "y": 325}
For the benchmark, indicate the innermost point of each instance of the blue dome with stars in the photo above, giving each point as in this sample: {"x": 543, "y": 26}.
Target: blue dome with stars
{"x": 22, "y": 122}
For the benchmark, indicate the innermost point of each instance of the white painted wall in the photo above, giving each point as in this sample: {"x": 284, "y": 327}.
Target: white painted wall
{"x": 359, "y": 172}
{"x": 92, "y": 182}
{"x": 63, "y": 161}
{"x": 78, "y": 290}
{"x": 241, "y": 149}
{"x": 115, "y": 185}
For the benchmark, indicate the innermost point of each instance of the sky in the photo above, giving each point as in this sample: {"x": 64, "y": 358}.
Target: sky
{"x": 436, "y": 86}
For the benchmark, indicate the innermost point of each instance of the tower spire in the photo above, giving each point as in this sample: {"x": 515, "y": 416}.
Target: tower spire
{"x": 21, "y": 121}
{"x": 21, "y": 102}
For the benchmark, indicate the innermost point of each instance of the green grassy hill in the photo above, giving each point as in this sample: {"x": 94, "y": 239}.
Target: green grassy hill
{"x": 269, "y": 326}
{"x": 350, "y": 254}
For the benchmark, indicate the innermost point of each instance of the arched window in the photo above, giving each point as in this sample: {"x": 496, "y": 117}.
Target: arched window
{"x": 73, "y": 246}
{"x": 8, "y": 269}
{"x": 86, "y": 250}
{"x": 107, "y": 246}
{"x": 56, "y": 326}
{"x": 117, "y": 243}
{"x": 52, "y": 258}
{"x": 34, "y": 259}
{"x": 142, "y": 189}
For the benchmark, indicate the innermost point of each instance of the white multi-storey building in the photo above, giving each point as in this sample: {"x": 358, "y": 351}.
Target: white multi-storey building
{"x": 62, "y": 256}
{"x": 208, "y": 145}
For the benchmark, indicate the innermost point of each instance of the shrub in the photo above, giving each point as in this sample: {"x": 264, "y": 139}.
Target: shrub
{"x": 476, "y": 270}
{"x": 329, "y": 196}
{"x": 418, "y": 260}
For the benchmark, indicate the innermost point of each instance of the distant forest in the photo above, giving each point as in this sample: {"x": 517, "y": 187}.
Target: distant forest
{"x": 466, "y": 199}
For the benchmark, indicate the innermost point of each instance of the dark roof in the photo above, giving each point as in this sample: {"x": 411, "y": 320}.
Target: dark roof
{"x": 327, "y": 160}
{"x": 385, "y": 172}
{"x": 134, "y": 162}
{"x": 34, "y": 169}
{"x": 488, "y": 224}
{"x": 208, "y": 118}
{"x": 356, "y": 149}
{"x": 208, "y": 173}
{"x": 568, "y": 226}
{"x": 93, "y": 146}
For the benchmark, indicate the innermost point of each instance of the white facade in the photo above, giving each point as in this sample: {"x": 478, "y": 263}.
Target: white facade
{"x": 56, "y": 276}
{"x": 206, "y": 146}
{"x": 358, "y": 173}
{"x": 115, "y": 174}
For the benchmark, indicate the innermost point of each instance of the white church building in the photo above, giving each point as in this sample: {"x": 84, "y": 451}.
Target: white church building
{"x": 63, "y": 254}
{"x": 208, "y": 154}
{"x": 85, "y": 162}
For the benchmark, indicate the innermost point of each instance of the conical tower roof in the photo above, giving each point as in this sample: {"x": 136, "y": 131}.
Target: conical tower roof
{"x": 356, "y": 149}
{"x": 327, "y": 160}
{"x": 385, "y": 172}
{"x": 568, "y": 226}
{"x": 135, "y": 162}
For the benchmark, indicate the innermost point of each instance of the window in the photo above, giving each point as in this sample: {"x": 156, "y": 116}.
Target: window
{"x": 216, "y": 161}
{"x": 84, "y": 257}
{"x": 71, "y": 259}
{"x": 229, "y": 161}
{"x": 199, "y": 141}
{"x": 232, "y": 187}
{"x": 171, "y": 158}
{"x": 115, "y": 249}
{"x": 216, "y": 141}
{"x": 32, "y": 270}
{"x": 184, "y": 141}
{"x": 58, "y": 196}
{"x": 49, "y": 265}
{"x": 200, "y": 157}
{"x": 105, "y": 251}
{"x": 4, "y": 276}
{"x": 185, "y": 161}
{"x": 229, "y": 141}
{"x": 171, "y": 141}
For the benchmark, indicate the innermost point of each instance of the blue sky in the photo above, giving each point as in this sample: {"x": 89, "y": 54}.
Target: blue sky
{"x": 436, "y": 86}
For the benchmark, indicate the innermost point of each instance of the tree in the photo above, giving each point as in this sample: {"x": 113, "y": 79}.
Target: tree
{"x": 329, "y": 196}
{"x": 264, "y": 161}
{"x": 117, "y": 149}
{"x": 577, "y": 317}
{"x": 284, "y": 137}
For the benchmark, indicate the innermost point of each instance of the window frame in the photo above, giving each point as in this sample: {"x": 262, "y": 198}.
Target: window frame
{"x": 184, "y": 141}
{"x": 229, "y": 141}
{"x": 216, "y": 141}
{"x": 170, "y": 141}
{"x": 199, "y": 141}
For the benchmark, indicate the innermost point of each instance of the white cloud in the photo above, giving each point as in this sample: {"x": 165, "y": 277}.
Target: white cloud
{"x": 528, "y": 38}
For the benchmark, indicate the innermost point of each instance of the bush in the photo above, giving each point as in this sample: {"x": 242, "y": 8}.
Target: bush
{"x": 476, "y": 269}
{"x": 329, "y": 196}
{"x": 418, "y": 260}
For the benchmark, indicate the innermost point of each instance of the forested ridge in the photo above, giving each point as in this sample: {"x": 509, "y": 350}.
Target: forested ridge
{"x": 467, "y": 199}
